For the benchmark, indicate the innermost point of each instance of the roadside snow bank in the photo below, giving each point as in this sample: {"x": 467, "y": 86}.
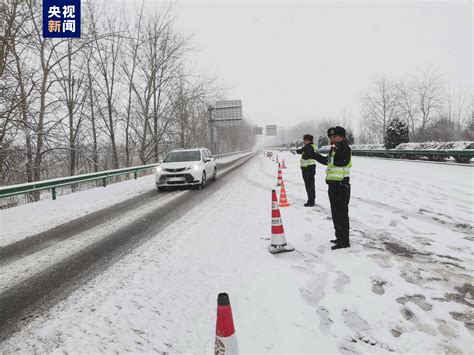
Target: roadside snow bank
{"x": 21, "y": 221}
{"x": 24, "y": 220}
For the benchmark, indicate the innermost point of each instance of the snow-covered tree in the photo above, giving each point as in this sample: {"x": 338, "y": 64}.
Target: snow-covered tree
{"x": 397, "y": 132}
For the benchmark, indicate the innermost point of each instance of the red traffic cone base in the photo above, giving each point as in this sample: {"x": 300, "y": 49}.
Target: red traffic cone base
{"x": 278, "y": 239}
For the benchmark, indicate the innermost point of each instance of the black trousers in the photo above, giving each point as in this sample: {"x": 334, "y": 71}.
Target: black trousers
{"x": 308, "y": 177}
{"x": 339, "y": 196}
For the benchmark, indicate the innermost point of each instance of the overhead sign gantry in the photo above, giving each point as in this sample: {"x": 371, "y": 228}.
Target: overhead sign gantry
{"x": 224, "y": 114}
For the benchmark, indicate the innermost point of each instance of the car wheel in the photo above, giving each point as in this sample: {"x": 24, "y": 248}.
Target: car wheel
{"x": 203, "y": 180}
{"x": 161, "y": 189}
{"x": 214, "y": 177}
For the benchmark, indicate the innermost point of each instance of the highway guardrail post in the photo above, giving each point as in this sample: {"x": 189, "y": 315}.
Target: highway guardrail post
{"x": 73, "y": 181}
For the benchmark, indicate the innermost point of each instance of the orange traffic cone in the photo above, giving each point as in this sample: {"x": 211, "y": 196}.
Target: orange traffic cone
{"x": 226, "y": 341}
{"x": 278, "y": 240}
{"x": 280, "y": 176}
{"x": 283, "y": 166}
{"x": 283, "y": 200}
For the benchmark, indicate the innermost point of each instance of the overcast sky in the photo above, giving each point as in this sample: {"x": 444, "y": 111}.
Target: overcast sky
{"x": 295, "y": 60}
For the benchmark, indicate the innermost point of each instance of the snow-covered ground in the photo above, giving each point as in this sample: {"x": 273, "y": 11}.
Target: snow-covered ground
{"x": 405, "y": 285}
{"x": 19, "y": 222}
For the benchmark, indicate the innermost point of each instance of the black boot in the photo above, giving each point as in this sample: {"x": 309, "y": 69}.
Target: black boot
{"x": 308, "y": 204}
{"x": 334, "y": 241}
{"x": 340, "y": 246}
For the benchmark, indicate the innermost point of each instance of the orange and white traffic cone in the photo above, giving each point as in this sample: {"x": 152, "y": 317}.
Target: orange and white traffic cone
{"x": 283, "y": 166}
{"x": 226, "y": 341}
{"x": 283, "y": 200}
{"x": 280, "y": 176}
{"x": 278, "y": 240}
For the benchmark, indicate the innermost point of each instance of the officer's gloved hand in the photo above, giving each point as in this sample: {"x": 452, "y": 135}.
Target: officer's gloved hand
{"x": 299, "y": 151}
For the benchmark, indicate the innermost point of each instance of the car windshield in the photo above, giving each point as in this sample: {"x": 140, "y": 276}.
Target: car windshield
{"x": 174, "y": 157}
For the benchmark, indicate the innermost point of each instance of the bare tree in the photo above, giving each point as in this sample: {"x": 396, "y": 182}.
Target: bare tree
{"x": 160, "y": 53}
{"x": 46, "y": 54}
{"x": 190, "y": 97}
{"x": 458, "y": 108}
{"x": 73, "y": 94}
{"x": 368, "y": 132}
{"x": 8, "y": 28}
{"x": 123, "y": 88}
{"x": 15, "y": 90}
{"x": 428, "y": 90}
{"x": 167, "y": 49}
{"x": 91, "y": 74}
{"x": 408, "y": 107}
{"x": 134, "y": 33}
{"x": 379, "y": 105}
{"x": 108, "y": 50}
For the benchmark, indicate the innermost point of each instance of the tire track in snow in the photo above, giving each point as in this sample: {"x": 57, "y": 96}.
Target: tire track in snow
{"x": 16, "y": 270}
{"x": 46, "y": 287}
{"x": 37, "y": 242}
{"x": 40, "y": 241}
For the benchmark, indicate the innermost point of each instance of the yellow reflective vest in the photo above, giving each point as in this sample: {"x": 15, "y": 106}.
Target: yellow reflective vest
{"x": 337, "y": 173}
{"x": 307, "y": 162}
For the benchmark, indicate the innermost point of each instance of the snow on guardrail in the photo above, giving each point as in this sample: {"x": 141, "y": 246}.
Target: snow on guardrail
{"x": 461, "y": 152}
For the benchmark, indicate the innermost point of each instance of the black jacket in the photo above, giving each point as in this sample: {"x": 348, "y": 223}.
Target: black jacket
{"x": 307, "y": 151}
{"x": 342, "y": 157}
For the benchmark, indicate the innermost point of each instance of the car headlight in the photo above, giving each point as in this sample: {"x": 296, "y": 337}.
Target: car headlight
{"x": 158, "y": 168}
{"x": 196, "y": 167}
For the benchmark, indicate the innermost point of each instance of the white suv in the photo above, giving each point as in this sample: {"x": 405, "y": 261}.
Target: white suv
{"x": 186, "y": 167}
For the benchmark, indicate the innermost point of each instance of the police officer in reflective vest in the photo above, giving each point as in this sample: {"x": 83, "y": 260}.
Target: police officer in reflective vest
{"x": 339, "y": 163}
{"x": 308, "y": 167}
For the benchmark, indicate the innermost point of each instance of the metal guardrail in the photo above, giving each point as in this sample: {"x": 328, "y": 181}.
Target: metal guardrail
{"x": 460, "y": 155}
{"x": 60, "y": 182}
{"x": 52, "y": 184}
{"x": 424, "y": 152}
{"x": 226, "y": 155}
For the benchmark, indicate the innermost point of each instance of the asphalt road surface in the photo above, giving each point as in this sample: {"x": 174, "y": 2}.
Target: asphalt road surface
{"x": 35, "y": 289}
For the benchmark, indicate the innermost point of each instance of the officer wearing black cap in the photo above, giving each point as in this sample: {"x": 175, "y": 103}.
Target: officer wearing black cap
{"x": 308, "y": 167}
{"x": 339, "y": 163}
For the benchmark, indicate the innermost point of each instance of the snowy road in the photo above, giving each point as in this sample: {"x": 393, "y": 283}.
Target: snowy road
{"x": 405, "y": 285}
{"x": 38, "y": 270}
